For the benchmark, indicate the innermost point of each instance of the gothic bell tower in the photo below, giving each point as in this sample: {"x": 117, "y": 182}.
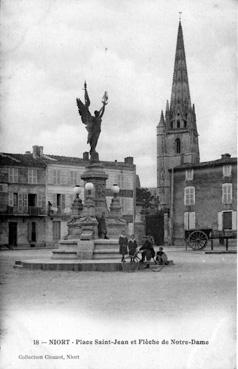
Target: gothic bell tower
{"x": 177, "y": 136}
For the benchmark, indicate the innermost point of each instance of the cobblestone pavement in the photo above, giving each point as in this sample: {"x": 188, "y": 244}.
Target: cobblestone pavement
{"x": 196, "y": 296}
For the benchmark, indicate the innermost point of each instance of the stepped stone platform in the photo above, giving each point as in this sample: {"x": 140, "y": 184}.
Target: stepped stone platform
{"x": 84, "y": 265}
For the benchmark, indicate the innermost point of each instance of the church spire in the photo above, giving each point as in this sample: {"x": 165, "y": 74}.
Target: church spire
{"x": 180, "y": 96}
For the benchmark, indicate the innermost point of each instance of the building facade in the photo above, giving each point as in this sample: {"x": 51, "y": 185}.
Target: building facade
{"x": 203, "y": 196}
{"x": 22, "y": 200}
{"x": 37, "y": 191}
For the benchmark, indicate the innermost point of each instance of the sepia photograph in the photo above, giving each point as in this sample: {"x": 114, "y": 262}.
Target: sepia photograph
{"x": 118, "y": 184}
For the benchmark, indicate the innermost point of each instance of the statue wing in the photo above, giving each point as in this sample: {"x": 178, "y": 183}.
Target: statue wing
{"x": 83, "y": 112}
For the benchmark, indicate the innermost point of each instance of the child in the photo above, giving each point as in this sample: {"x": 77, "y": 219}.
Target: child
{"x": 161, "y": 257}
{"x": 132, "y": 245}
{"x": 123, "y": 243}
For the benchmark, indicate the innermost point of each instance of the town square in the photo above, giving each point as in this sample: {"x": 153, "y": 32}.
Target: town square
{"x": 118, "y": 185}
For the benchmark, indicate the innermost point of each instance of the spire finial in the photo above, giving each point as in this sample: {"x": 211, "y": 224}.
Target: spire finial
{"x": 180, "y": 14}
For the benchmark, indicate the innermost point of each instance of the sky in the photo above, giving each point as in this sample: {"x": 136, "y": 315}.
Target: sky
{"x": 127, "y": 47}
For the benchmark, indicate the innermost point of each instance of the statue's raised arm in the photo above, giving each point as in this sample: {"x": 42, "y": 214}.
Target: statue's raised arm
{"x": 93, "y": 123}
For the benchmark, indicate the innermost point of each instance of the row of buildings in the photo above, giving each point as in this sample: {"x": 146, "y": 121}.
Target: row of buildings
{"x": 37, "y": 191}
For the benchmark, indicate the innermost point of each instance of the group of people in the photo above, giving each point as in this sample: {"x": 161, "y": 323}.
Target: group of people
{"x": 146, "y": 250}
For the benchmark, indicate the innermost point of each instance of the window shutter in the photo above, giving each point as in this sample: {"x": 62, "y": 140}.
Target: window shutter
{"x": 51, "y": 176}
{"x": 43, "y": 201}
{"x": 54, "y": 200}
{"x": 192, "y": 220}
{"x": 36, "y": 229}
{"x": 185, "y": 196}
{"x": 186, "y": 220}
{"x": 234, "y": 221}
{"x": 29, "y": 231}
{"x": 39, "y": 200}
{"x": 25, "y": 202}
{"x": 20, "y": 202}
{"x": 219, "y": 220}
{"x": 10, "y": 199}
{"x": 58, "y": 176}
{"x": 62, "y": 201}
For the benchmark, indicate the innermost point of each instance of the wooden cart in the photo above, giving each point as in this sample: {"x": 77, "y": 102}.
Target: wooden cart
{"x": 197, "y": 239}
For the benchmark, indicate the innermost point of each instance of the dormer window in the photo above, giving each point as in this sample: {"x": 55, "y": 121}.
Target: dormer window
{"x": 171, "y": 125}
{"x": 178, "y": 123}
{"x": 185, "y": 123}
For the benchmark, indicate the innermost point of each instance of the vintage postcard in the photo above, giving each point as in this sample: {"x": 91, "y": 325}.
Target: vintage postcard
{"x": 118, "y": 184}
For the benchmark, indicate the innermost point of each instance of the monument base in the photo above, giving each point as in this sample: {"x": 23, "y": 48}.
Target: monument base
{"x": 115, "y": 226}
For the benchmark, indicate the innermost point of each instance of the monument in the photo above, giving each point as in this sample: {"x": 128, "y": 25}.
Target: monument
{"x": 93, "y": 229}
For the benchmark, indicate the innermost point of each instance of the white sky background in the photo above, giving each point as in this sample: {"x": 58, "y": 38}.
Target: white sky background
{"x": 127, "y": 47}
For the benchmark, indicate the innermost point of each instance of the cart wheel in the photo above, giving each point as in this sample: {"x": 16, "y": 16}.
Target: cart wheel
{"x": 197, "y": 240}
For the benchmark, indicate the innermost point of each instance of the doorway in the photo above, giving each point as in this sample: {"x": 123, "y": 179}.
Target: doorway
{"x": 155, "y": 227}
{"x": 227, "y": 220}
{"x": 56, "y": 230}
{"x": 12, "y": 234}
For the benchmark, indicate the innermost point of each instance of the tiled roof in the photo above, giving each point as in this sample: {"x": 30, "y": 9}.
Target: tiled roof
{"x": 21, "y": 160}
{"x": 68, "y": 160}
{"x": 211, "y": 164}
{"x": 27, "y": 160}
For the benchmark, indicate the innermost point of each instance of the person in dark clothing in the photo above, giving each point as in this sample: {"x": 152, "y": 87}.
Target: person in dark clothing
{"x": 123, "y": 244}
{"x": 132, "y": 246}
{"x": 161, "y": 257}
{"x": 102, "y": 228}
{"x": 148, "y": 251}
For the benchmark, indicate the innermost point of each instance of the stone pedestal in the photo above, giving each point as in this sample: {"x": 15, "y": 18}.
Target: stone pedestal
{"x": 115, "y": 222}
{"x": 74, "y": 227}
{"x": 95, "y": 174}
{"x": 85, "y": 249}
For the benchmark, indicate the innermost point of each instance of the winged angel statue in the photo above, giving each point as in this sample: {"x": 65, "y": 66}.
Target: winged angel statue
{"x": 93, "y": 123}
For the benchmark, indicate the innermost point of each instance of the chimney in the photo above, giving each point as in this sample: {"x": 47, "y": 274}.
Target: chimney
{"x": 37, "y": 151}
{"x": 85, "y": 156}
{"x": 129, "y": 160}
{"x": 226, "y": 156}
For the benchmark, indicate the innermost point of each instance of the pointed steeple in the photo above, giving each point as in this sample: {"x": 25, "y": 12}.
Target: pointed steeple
{"x": 180, "y": 96}
{"x": 161, "y": 122}
{"x": 167, "y": 106}
{"x": 161, "y": 125}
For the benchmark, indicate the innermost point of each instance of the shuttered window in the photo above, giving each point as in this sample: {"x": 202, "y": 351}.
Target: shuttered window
{"x": 227, "y": 193}
{"x": 32, "y": 176}
{"x": 13, "y": 175}
{"x": 10, "y": 199}
{"x": 189, "y": 195}
{"x": 73, "y": 177}
{"x": 189, "y": 220}
{"x": 56, "y": 176}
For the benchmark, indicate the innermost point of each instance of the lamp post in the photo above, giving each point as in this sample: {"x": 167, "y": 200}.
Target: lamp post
{"x": 115, "y": 190}
{"x": 115, "y": 206}
{"x": 77, "y": 205}
{"x": 89, "y": 187}
{"x": 89, "y": 199}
